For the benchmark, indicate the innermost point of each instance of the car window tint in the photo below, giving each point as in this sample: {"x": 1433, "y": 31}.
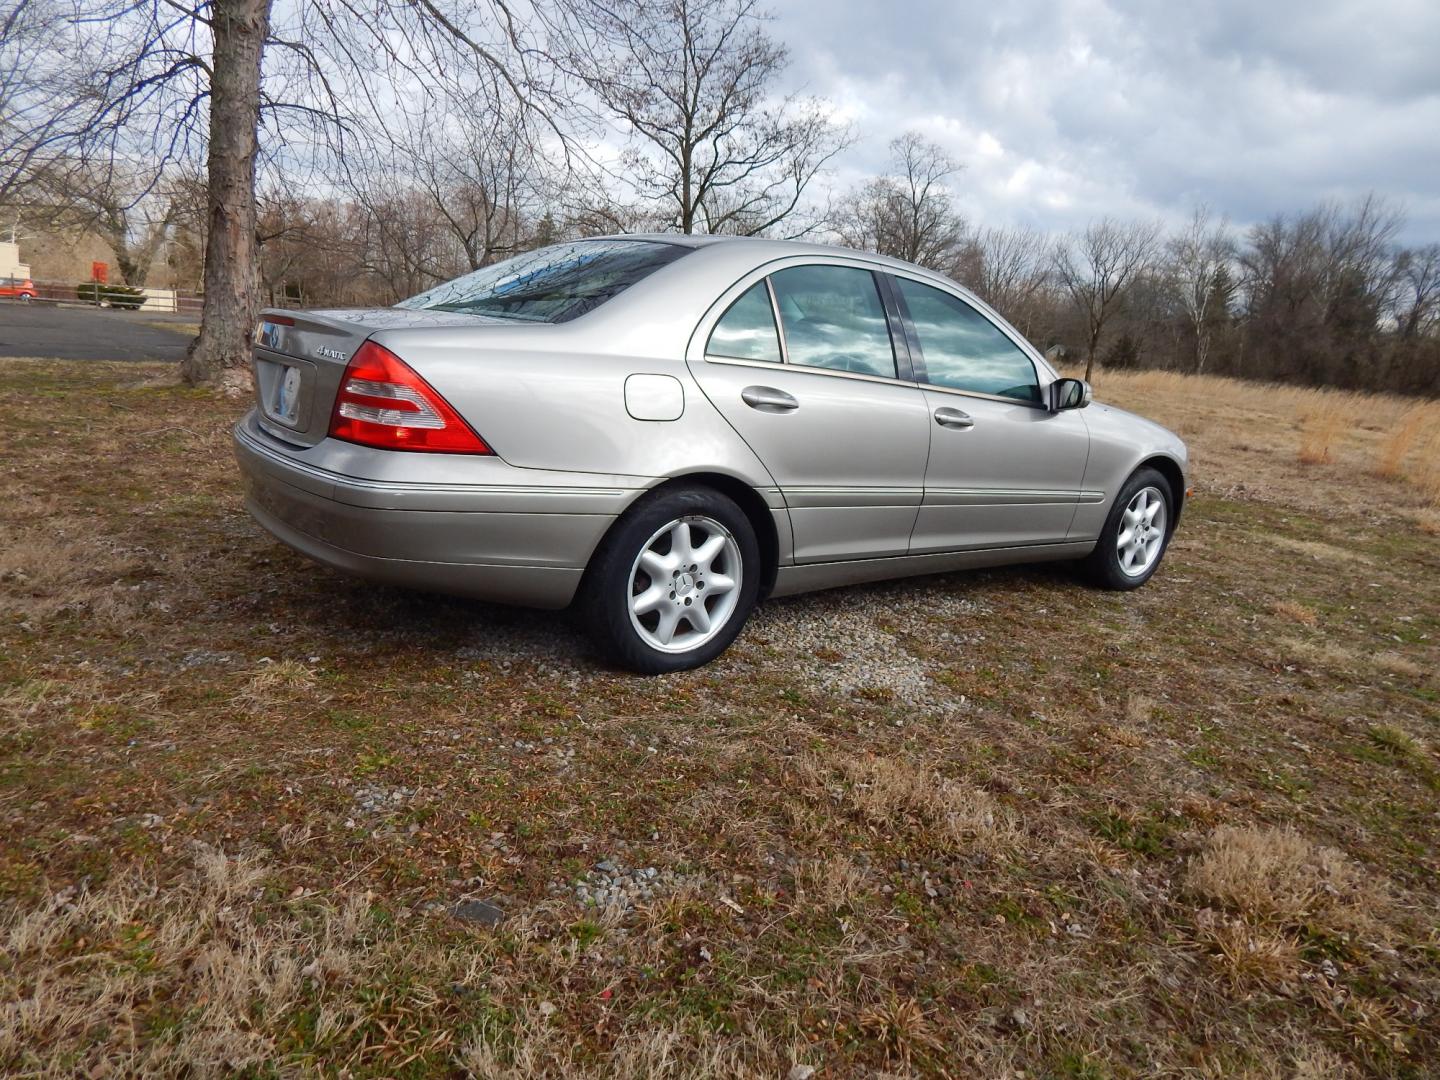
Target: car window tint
{"x": 833, "y": 318}
{"x": 747, "y": 330}
{"x": 965, "y": 350}
{"x": 553, "y": 284}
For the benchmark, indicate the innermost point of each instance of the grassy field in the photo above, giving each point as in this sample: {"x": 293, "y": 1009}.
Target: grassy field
{"x": 990, "y": 824}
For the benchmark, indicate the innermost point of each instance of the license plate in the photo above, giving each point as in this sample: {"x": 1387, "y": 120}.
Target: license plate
{"x": 287, "y": 396}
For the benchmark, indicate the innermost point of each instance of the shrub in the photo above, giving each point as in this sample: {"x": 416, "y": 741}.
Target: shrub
{"x": 125, "y": 297}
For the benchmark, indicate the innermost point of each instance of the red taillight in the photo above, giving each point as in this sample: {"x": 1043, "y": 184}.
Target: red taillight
{"x": 383, "y": 403}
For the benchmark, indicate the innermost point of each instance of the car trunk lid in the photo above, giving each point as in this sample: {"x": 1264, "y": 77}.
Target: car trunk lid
{"x": 299, "y": 358}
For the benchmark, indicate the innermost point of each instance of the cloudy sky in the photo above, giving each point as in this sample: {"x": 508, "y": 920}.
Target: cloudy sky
{"x": 1063, "y": 110}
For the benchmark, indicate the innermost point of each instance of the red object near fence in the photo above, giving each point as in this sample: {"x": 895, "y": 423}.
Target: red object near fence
{"x": 100, "y": 272}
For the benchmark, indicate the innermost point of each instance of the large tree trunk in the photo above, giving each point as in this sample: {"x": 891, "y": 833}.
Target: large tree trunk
{"x": 239, "y": 28}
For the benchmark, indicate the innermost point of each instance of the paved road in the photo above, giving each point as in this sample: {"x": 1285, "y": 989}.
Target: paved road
{"x": 86, "y": 333}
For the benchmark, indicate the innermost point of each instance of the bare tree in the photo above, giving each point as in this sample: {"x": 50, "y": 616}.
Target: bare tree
{"x": 1008, "y": 269}
{"x": 907, "y": 213}
{"x": 1417, "y": 301}
{"x": 1197, "y": 256}
{"x": 1316, "y": 288}
{"x": 182, "y": 76}
{"x": 690, "y": 80}
{"x": 1096, "y": 266}
{"x": 482, "y": 173}
{"x": 44, "y": 100}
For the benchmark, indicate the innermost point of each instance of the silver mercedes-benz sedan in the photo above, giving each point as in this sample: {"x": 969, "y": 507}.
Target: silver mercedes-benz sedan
{"x": 667, "y": 429}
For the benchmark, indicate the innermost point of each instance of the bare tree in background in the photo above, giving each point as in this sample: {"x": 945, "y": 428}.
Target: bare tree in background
{"x": 181, "y": 77}
{"x": 136, "y": 228}
{"x": 691, "y": 80}
{"x": 1008, "y": 269}
{"x": 907, "y": 213}
{"x": 1417, "y": 300}
{"x": 481, "y": 172}
{"x": 1316, "y": 288}
{"x": 43, "y": 100}
{"x": 1096, "y": 266}
{"x": 1196, "y": 259}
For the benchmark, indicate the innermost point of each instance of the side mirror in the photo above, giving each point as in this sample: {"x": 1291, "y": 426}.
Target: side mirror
{"x": 1069, "y": 394}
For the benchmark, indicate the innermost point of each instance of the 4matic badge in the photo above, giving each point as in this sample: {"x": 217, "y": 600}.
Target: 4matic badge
{"x": 331, "y": 354}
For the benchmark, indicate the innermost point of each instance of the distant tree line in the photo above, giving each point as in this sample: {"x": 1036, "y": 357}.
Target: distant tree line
{"x": 1325, "y": 296}
{"x": 234, "y": 142}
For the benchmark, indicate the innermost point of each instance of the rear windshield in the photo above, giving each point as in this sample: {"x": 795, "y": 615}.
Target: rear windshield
{"x": 553, "y": 284}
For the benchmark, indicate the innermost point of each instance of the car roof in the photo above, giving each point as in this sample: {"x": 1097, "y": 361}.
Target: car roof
{"x": 766, "y": 247}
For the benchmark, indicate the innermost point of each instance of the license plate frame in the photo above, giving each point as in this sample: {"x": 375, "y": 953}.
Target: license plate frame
{"x": 284, "y": 389}
{"x": 285, "y": 406}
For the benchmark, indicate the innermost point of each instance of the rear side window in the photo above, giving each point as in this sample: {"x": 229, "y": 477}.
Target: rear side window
{"x": 833, "y": 318}
{"x": 747, "y": 330}
{"x": 553, "y": 284}
{"x": 963, "y": 349}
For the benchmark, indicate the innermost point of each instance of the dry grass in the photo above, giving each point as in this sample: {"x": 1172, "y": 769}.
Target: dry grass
{"x": 1428, "y": 472}
{"x": 277, "y": 684}
{"x": 1316, "y": 549}
{"x": 888, "y": 791}
{"x": 1318, "y": 1063}
{"x": 1289, "y": 609}
{"x": 1245, "y": 955}
{"x": 1320, "y": 428}
{"x": 90, "y": 968}
{"x": 87, "y": 967}
{"x": 1275, "y": 875}
{"x": 1397, "y": 663}
{"x": 975, "y": 825}
{"x": 1403, "y": 438}
{"x": 63, "y": 569}
{"x": 1267, "y": 440}
{"x": 901, "y": 1027}
{"x": 834, "y": 882}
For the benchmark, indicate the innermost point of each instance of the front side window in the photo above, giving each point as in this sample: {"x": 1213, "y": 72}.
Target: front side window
{"x": 553, "y": 284}
{"x": 833, "y": 318}
{"x": 747, "y": 329}
{"x": 963, "y": 349}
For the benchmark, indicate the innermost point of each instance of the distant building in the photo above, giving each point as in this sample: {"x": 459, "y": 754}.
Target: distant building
{"x": 10, "y": 264}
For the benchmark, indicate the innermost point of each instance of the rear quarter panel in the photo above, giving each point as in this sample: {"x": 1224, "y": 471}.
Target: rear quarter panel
{"x": 543, "y": 398}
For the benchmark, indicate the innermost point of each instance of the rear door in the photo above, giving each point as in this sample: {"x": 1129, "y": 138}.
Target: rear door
{"x": 822, "y": 396}
{"x": 1003, "y": 470}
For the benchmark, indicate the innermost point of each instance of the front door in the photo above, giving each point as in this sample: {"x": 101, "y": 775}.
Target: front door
{"x": 1003, "y": 470}
{"x": 819, "y": 401}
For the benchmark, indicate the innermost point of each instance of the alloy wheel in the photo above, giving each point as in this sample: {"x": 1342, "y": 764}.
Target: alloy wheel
{"x": 1142, "y": 532}
{"x": 685, "y": 584}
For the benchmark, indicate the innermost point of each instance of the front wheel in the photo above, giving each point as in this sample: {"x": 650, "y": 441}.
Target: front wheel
{"x": 1136, "y": 533}
{"x": 673, "y": 584}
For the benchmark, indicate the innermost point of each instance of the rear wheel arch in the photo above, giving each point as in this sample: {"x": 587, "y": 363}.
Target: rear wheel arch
{"x": 755, "y": 509}
{"x": 744, "y": 496}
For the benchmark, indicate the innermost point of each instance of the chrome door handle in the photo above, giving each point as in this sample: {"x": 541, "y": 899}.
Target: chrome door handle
{"x": 953, "y": 418}
{"x": 768, "y": 399}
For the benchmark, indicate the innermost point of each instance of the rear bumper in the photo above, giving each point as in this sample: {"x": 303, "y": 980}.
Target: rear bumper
{"x": 508, "y": 539}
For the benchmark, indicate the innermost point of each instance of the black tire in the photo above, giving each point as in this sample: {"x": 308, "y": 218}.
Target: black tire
{"x": 1103, "y": 566}
{"x": 606, "y": 591}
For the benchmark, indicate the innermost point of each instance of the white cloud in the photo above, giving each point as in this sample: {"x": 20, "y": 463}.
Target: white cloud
{"x": 1063, "y": 110}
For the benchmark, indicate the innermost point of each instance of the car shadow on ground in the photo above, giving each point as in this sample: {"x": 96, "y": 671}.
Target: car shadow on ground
{"x": 326, "y": 606}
